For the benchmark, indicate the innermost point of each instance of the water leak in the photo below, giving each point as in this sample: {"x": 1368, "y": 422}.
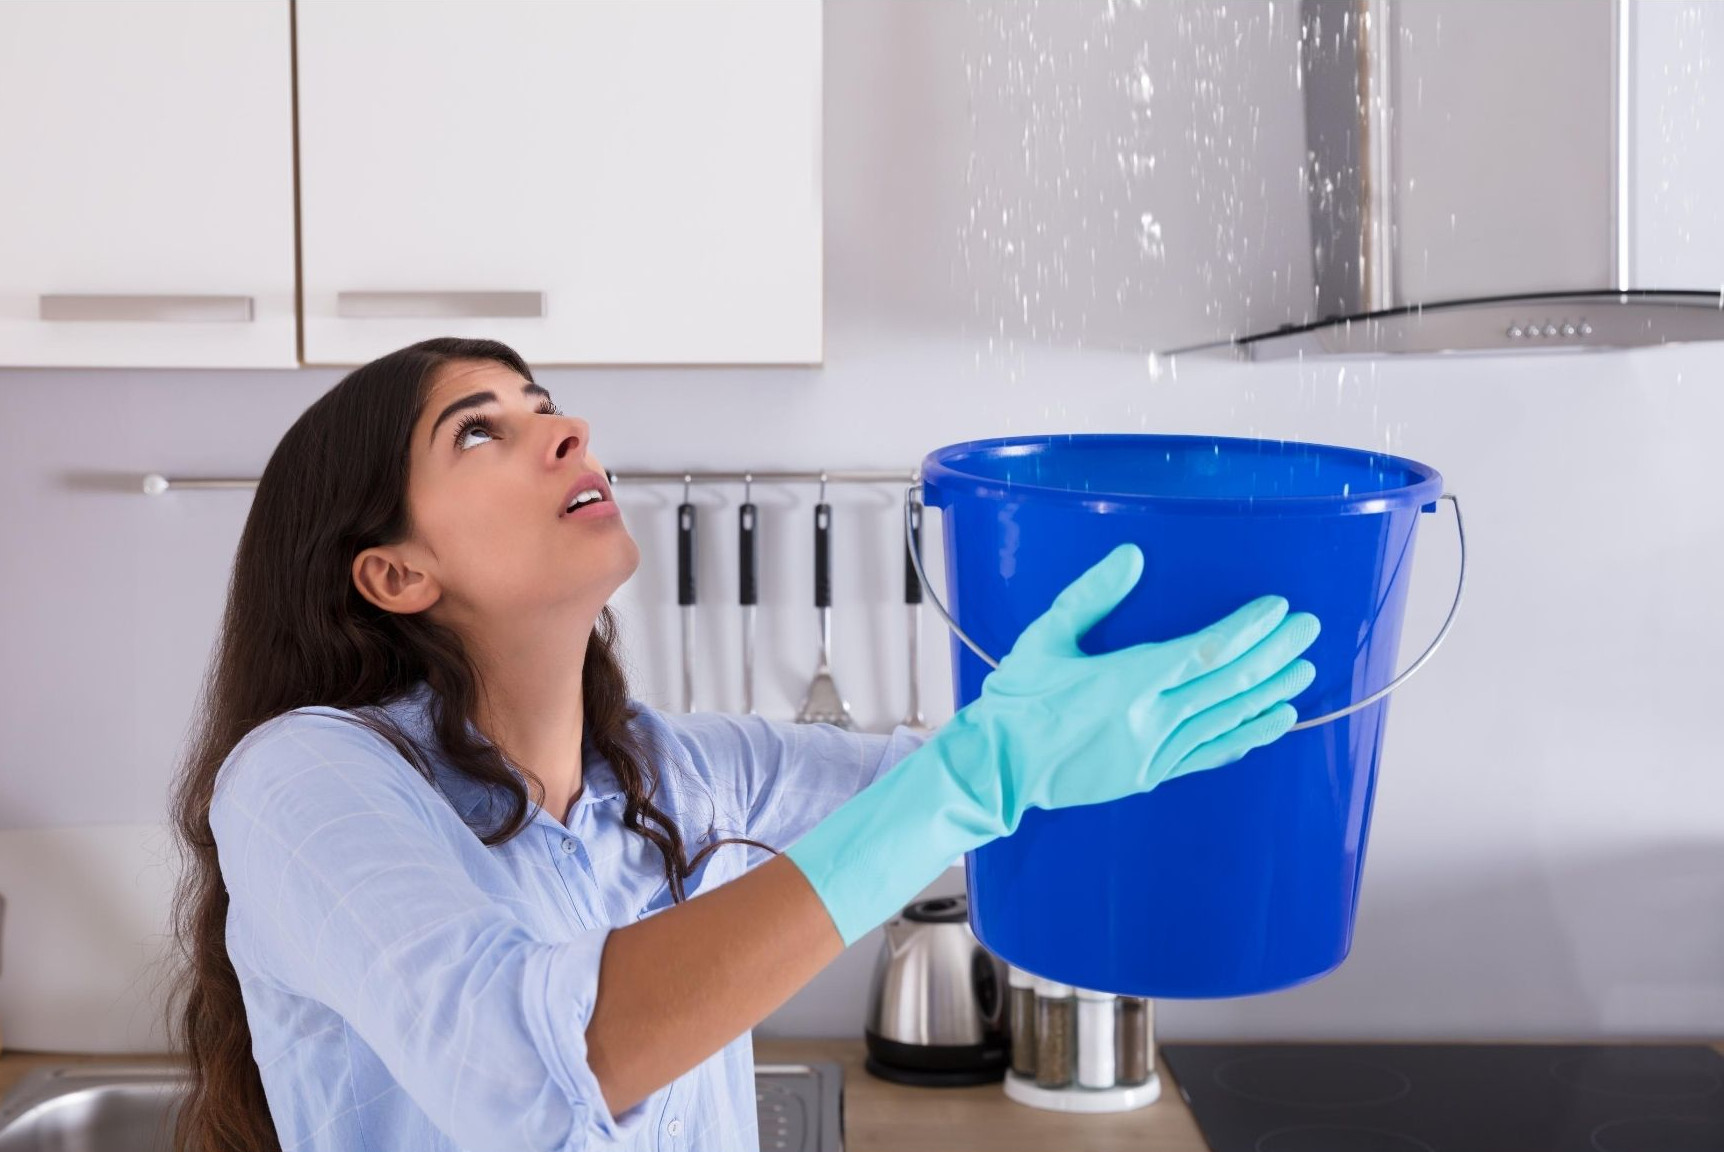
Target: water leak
{"x": 1120, "y": 182}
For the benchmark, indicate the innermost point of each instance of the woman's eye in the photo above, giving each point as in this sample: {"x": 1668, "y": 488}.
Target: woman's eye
{"x": 474, "y": 424}
{"x": 482, "y": 424}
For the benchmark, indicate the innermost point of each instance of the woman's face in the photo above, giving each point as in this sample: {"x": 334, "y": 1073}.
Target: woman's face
{"x": 493, "y": 469}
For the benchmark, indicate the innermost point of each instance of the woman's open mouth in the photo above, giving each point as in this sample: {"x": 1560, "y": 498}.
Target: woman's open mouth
{"x": 589, "y": 498}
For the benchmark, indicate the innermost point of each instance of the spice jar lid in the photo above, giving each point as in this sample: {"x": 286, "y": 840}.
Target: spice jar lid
{"x": 1017, "y": 978}
{"x": 1092, "y": 994}
{"x": 1052, "y": 988}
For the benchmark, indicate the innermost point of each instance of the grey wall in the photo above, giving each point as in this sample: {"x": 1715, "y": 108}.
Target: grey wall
{"x": 1547, "y": 855}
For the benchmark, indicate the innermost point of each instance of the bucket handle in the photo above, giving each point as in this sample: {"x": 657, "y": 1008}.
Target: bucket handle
{"x": 911, "y": 502}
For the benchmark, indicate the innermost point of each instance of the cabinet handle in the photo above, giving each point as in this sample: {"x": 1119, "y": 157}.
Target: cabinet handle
{"x": 160, "y": 308}
{"x": 437, "y": 305}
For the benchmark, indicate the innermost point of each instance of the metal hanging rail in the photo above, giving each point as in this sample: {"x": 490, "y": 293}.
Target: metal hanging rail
{"x": 155, "y": 483}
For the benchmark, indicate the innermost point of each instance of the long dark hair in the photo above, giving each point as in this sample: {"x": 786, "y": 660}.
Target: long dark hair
{"x": 296, "y": 632}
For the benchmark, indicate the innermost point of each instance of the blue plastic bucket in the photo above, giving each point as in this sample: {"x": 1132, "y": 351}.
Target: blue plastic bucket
{"x": 1222, "y": 883}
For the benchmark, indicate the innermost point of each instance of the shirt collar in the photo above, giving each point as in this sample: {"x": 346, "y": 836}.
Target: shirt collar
{"x": 468, "y": 796}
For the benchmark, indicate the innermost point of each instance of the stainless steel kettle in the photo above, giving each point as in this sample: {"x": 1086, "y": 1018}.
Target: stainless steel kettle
{"x": 936, "y": 1013}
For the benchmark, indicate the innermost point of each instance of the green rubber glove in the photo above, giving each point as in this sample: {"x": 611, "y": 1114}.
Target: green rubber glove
{"x": 1055, "y": 727}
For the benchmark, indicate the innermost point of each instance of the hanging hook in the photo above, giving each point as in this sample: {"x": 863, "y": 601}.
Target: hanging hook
{"x": 687, "y": 480}
{"x": 823, "y": 486}
{"x": 748, "y": 487}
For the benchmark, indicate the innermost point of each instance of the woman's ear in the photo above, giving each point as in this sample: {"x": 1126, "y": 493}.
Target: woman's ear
{"x": 387, "y": 577}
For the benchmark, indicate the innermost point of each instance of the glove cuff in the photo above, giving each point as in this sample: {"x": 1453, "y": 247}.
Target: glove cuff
{"x": 877, "y": 850}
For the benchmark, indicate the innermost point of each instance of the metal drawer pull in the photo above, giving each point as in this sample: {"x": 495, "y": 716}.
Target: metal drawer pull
{"x": 437, "y": 305}
{"x": 161, "y": 309}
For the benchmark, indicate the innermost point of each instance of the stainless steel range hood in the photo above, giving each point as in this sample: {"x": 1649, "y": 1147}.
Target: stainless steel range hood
{"x": 1490, "y": 176}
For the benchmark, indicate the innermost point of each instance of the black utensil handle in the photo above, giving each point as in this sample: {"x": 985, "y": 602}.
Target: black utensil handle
{"x": 912, "y": 585}
{"x": 747, "y": 551}
{"x": 685, "y": 554}
{"x": 823, "y": 555}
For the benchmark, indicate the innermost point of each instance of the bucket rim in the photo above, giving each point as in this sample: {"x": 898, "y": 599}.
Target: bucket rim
{"x": 941, "y": 479}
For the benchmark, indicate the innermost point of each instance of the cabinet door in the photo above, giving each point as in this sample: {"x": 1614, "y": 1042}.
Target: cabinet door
{"x": 596, "y": 181}
{"x": 146, "y": 183}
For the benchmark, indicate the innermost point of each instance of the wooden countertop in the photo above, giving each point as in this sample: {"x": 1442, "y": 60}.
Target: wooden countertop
{"x": 883, "y": 1117}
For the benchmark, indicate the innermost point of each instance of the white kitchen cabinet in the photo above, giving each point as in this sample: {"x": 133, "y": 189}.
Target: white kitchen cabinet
{"x": 146, "y": 183}
{"x": 591, "y": 181}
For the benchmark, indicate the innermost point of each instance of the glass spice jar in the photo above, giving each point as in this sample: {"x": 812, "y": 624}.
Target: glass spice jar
{"x": 1135, "y": 1057}
{"x": 1022, "y": 1013}
{"x": 1056, "y": 1033}
{"x": 1096, "y": 1013}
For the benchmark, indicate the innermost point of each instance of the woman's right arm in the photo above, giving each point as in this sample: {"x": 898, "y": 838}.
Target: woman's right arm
{"x": 678, "y": 986}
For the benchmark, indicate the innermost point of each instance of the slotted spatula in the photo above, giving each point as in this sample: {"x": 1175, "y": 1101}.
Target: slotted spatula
{"x": 823, "y": 704}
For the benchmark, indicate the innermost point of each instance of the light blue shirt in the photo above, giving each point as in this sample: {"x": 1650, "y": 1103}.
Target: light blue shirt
{"x": 409, "y": 988}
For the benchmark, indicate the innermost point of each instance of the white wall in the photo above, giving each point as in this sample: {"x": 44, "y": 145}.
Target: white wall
{"x": 1547, "y": 855}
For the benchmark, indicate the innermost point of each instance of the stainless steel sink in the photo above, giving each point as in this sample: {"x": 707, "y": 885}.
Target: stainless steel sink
{"x": 92, "y": 1108}
{"x": 130, "y": 1108}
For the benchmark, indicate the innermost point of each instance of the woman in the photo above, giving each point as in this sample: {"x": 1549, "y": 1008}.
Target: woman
{"x": 430, "y": 835}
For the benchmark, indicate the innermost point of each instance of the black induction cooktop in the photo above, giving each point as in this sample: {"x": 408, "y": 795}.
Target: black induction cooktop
{"x": 1453, "y": 1097}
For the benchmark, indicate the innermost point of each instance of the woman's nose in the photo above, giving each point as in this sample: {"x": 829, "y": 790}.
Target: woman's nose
{"x": 573, "y": 438}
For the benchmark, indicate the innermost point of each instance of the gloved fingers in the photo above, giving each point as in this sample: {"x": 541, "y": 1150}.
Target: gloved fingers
{"x": 1083, "y": 603}
{"x": 1277, "y": 650}
{"x": 1227, "y": 639}
{"x": 1213, "y": 723}
{"x": 1265, "y": 729}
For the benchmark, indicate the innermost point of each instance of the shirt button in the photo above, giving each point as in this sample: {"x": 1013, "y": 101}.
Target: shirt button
{"x": 568, "y": 844}
{"x": 674, "y": 1127}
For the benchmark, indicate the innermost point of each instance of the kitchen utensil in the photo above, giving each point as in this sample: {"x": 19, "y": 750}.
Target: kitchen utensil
{"x": 747, "y": 552}
{"x": 937, "y": 1009}
{"x": 824, "y": 704}
{"x": 685, "y": 523}
{"x": 913, "y": 597}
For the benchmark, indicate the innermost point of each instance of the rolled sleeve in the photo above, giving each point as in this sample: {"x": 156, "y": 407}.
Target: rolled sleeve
{"x": 789, "y": 776}
{"x": 568, "y": 990}
{"x": 339, "y": 865}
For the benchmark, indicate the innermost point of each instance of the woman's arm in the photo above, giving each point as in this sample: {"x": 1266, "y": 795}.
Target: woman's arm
{"x": 664, "y": 1004}
{"x": 676, "y": 987}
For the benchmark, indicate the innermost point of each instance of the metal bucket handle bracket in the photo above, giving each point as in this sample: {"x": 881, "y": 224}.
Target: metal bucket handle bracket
{"x": 910, "y": 501}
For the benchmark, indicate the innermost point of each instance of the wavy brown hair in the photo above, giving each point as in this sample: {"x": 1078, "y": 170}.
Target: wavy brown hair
{"x": 296, "y": 632}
